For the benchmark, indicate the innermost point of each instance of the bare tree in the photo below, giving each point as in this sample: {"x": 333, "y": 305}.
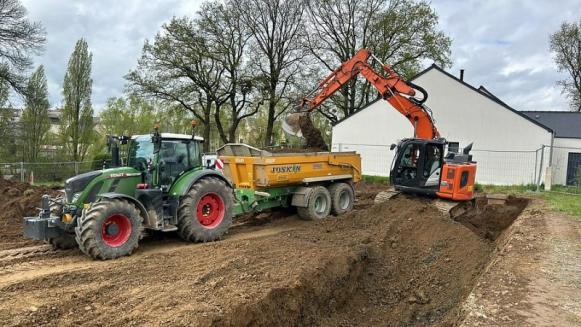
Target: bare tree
{"x": 566, "y": 45}
{"x": 227, "y": 39}
{"x": 176, "y": 68}
{"x": 277, "y": 28}
{"x": 19, "y": 38}
{"x": 399, "y": 32}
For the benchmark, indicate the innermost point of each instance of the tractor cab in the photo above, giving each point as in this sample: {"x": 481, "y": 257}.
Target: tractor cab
{"x": 420, "y": 166}
{"x": 163, "y": 158}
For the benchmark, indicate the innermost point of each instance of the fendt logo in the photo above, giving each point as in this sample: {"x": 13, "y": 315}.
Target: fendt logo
{"x": 286, "y": 169}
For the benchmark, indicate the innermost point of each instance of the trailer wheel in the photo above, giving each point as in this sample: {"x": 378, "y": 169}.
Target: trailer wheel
{"x": 64, "y": 242}
{"x": 342, "y": 198}
{"x": 109, "y": 229}
{"x": 319, "y": 204}
{"x": 205, "y": 213}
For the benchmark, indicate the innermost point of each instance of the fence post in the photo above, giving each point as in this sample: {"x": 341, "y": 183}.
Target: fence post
{"x": 76, "y": 168}
{"x": 22, "y": 172}
{"x": 540, "y": 168}
{"x": 536, "y": 162}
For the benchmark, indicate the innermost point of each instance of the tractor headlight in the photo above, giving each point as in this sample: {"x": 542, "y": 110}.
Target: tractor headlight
{"x": 76, "y": 196}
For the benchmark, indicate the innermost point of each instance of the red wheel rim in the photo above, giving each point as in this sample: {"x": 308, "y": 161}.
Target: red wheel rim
{"x": 115, "y": 230}
{"x": 210, "y": 210}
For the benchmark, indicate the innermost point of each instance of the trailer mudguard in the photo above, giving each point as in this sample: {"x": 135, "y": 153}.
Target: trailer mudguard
{"x": 301, "y": 197}
{"x": 131, "y": 199}
{"x": 185, "y": 182}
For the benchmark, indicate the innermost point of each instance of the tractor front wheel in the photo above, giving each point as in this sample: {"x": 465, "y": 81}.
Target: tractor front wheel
{"x": 109, "y": 229}
{"x": 205, "y": 213}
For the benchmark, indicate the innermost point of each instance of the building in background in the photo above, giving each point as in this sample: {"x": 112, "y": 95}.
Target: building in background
{"x": 566, "y": 151}
{"x": 507, "y": 143}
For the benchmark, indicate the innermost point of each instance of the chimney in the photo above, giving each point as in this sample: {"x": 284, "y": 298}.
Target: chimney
{"x": 462, "y": 75}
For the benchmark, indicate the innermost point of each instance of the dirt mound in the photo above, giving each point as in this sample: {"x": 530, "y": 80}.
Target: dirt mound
{"x": 312, "y": 135}
{"x": 18, "y": 200}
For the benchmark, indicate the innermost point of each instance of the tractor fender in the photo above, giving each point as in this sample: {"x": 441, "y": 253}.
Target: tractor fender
{"x": 183, "y": 186}
{"x": 131, "y": 199}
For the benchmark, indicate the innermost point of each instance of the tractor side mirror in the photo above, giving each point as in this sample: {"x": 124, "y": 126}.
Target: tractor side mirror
{"x": 393, "y": 146}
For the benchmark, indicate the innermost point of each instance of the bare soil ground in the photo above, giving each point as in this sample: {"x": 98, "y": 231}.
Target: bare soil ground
{"x": 18, "y": 200}
{"x": 534, "y": 278}
{"x": 400, "y": 263}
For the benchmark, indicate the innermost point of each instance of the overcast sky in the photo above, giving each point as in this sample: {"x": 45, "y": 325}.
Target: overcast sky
{"x": 502, "y": 44}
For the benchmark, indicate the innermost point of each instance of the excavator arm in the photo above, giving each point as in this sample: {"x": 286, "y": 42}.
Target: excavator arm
{"x": 391, "y": 87}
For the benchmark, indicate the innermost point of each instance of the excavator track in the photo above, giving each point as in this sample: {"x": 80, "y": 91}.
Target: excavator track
{"x": 450, "y": 209}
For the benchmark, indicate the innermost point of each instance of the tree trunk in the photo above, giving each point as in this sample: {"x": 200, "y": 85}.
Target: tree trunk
{"x": 207, "y": 129}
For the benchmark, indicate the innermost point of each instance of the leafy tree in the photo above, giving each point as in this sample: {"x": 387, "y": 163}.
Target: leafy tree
{"x": 277, "y": 29}
{"x": 77, "y": 131}
{"x": 19, "y": 38}
{"x": 399, "y": 32}
{"x": 35, "y": 123}
{"x": 566, "y": 45}
{"x": 8, "y": 126}
{"x": 128, "y": 116}
{"x": 176, "y": 68}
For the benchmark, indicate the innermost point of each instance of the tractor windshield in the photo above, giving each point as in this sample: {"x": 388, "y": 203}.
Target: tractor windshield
{"x": 140, "y": 152}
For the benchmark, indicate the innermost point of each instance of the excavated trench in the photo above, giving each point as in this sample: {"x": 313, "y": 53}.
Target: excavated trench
{"x": 401, "y": 269}
{"x": 399, "y": 263}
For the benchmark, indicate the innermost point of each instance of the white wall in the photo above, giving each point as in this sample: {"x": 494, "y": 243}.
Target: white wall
{"x": 561, "y": 150}
{"x": 462, "y": 115}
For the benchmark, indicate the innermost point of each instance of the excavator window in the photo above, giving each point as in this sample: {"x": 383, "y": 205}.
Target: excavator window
{"x": 432, "y": 160}
{"x": 408, "y": 167}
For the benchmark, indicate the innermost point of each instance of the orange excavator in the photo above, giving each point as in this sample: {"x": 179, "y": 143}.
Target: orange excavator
{"x": 419, "y": 165}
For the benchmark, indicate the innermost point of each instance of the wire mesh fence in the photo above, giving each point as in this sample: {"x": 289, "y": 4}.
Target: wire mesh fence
{"x": 47, "y": 172}
{"x": 496, "y": 167}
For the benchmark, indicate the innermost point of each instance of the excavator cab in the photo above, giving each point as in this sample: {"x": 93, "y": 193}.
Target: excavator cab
{"x": 420, "y": 167}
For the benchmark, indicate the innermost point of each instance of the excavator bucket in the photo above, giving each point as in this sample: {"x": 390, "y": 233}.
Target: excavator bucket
{"x": 300, "y": 124}
{"x": 291, "y": 124}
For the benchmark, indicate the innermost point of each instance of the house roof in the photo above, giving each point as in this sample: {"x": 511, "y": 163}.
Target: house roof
{"x": 482, "y": 91}
{"x": 566, "y": 124}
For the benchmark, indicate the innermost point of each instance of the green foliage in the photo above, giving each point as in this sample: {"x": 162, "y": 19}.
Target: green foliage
{"x": 35, "y": 123}
{"x": 77, "y": 127}
{"x": 99, "y": 159}
{"x": 568, "y": 203}
{"x": 566, "y": 46}
{"x": 375, "y": 179}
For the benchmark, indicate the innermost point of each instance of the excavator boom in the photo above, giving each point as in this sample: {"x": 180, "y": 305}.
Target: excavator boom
{"x": 391, "y": 87}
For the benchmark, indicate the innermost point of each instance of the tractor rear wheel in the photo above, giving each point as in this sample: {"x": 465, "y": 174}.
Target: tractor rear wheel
{"x": 342, "y": 198}
{"x": 109, "y": 229}
{"x": 205, "y": 213}
{"x": 319, "y": 204}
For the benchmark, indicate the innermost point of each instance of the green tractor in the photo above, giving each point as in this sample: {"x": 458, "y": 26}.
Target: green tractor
{"x": 162, "y": 186}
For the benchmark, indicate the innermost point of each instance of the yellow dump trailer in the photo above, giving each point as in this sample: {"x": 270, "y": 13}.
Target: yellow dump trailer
{"x": 249, "y": 167}
{"x": 317, "y": 183}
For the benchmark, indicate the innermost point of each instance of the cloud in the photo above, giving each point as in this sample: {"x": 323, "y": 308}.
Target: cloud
{"x": 504, "y": 45}
{"x": 501, "y": 44}
{"x": 115, "y": 31}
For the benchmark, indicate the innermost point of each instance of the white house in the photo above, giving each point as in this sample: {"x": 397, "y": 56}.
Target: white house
{"x": 566, "y": 151}
{"x": 507, "y": 143}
